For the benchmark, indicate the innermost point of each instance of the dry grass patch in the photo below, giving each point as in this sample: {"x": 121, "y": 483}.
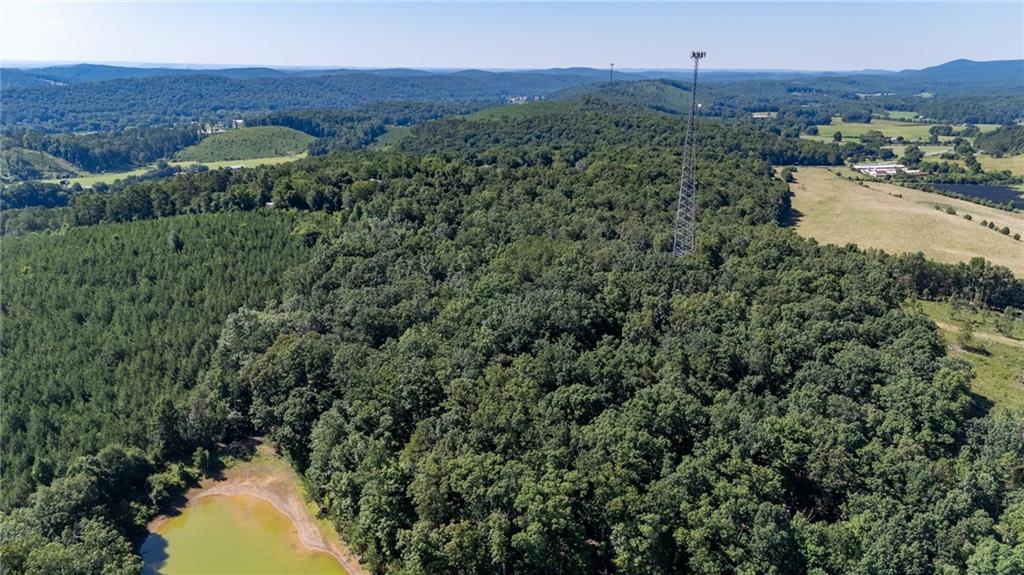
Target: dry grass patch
{"x": 900, "y": 220}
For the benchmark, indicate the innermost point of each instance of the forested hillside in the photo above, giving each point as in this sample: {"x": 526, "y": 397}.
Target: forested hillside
{"x": 501, "y": 369}
{"x": 164, "y": 100}
{"x": 86, "y": 98}
{"x": 492, "y": 364}
{"x": 19, "y": 164}
{"x": 101, "y": 322}
{"x": 1005, "y": 140}
{"x": 102, "y": 152}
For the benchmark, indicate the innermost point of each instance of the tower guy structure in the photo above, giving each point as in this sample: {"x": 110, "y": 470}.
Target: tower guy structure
{"x": 684, "y": 238}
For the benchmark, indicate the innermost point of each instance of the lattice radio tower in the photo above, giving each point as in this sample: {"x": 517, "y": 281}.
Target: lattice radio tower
{"x": 684, "y": 239}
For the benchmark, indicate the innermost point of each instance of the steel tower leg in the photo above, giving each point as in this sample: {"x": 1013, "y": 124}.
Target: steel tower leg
{"x": 684, "y": 238}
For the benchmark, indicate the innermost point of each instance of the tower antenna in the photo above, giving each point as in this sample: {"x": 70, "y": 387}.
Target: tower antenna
{"x": 684, "y": 237}
{"x": 611, "y": 73}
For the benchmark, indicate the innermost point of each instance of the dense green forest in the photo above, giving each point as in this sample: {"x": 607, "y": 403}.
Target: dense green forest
{"x": 1004, "y": 141}
{"x": 63, "y": 99}
{"x": 360, "y": 126}
{"x": 105, "y": 151}
{"x": 27, "y": 155}
{"x": 164, "y": 100}
{"x": 100, "y": 322}
{"x": 490, "y": 363}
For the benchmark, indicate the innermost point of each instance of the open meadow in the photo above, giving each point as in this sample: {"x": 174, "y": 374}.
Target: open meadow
{"x": 997, "y": 358}
{"x": 1013, "y": 163}
{"x": 902, "y": 115}
{"x": 892, "y": 128}
{"x": 87, "y": 181}
{"x": 247, "y": 143}
{"x": 895, "y": 219}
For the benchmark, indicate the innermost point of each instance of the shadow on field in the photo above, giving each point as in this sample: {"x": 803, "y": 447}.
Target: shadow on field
{"x": 792, "y": 217}
{"x": 980, "y": 406}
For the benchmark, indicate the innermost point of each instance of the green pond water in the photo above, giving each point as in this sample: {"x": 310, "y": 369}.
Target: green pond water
{"x": 231, "y": 534}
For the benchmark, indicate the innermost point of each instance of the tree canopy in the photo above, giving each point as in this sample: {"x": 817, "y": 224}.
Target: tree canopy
{"x": 490, "y": 362}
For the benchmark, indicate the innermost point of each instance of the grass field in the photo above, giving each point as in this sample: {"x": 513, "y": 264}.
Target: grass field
{"x": 527, "y": 110}
{"x": 928, "y": 150}
{"x": 392, "y": 136}
{"x": 247, "y": 143}
{"x": 891, "y": 128}
{"x": 989, "y": 164}
{"x": 90, "y": 180}
{"x": 998, "y": 360}
{"x": 1013, "y": 163}
{"x": 900, "y": 220}
{"x": 902, "y": 115}
{"x": 250, "y": 163}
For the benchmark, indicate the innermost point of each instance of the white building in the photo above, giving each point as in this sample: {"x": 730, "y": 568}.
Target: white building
{"x": 880, "y": 170}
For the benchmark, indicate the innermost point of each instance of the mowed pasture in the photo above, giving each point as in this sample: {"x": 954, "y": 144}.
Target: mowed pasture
{"x": 895, "y": 219}
{"x": 912, "y": 131}
{"x": 89, "y": 180}
{"x": 1015, "y": 164}
{"x": 929, "y": 151}
{"x": 902, "y": 115}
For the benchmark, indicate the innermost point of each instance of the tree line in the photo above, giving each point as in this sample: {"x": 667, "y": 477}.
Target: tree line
{"x": 106, "y": 151}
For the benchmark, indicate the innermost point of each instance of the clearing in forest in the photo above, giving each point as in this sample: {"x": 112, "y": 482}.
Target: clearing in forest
{"x": 247, "y": 143}
{"x": 913, "y": 131}
{"x": 997, "y": 354}
{"x": 885, "y": 216}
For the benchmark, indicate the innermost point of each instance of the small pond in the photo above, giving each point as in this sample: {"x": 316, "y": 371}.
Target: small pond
{"x": 997, "y": 194}
{"x": 222, "y": 534}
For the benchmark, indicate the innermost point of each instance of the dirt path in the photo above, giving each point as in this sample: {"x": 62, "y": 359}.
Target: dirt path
{"x": 983, "y": 335}
{"x": 269, "y": 478}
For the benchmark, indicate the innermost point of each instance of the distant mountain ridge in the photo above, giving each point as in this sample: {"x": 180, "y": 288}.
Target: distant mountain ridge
{"x": 87, "y": 97}
{"x": 961, "y": 70}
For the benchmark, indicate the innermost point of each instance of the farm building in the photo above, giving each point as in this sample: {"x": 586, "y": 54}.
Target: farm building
{"x": 880, "y": 170}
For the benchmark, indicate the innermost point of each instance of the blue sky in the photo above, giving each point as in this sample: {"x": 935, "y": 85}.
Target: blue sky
{"x": 810, "y": 36}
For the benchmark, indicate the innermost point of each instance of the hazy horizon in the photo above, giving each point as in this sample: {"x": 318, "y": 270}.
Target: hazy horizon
{"x": 35, "y": 64}
{"x": 497, "y": 36}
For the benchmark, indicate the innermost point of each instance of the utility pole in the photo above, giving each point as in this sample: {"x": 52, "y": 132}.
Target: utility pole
{"x": 684, "y": 237}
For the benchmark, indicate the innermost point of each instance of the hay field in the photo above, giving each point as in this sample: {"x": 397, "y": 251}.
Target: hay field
{"x": 901, "y": 220}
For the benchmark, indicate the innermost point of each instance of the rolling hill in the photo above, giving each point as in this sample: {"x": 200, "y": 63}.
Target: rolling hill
{"x": 19, "y": 164}
{"x": 247, "y": 143}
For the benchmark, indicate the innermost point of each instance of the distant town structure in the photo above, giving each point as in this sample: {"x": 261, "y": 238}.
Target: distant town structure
{"x": 208, "y": 129}
{"x": 523, "y": 99}
{"x": 881, "y": 170}
{"x": 237, "y": 123}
